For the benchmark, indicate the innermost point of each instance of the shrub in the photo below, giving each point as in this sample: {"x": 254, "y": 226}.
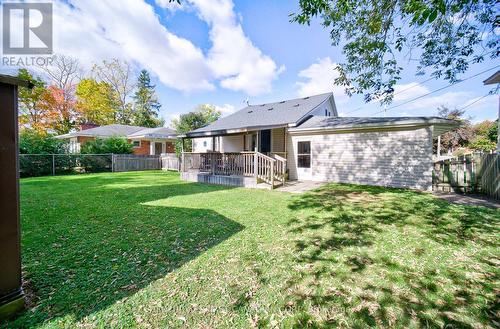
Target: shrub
{"x": 32, "y": 142}
{"x": 115, "y": 145}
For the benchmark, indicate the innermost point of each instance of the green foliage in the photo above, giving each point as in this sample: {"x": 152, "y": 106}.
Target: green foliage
{"x": 30, "y": 115}
{"x": 115, "y": 145}
{"x": 444, "y": 36}
{"x": 202, "y": 115}
{"x": 482, "y": 143}
{"x": 493, "y": 132}
{"x": 144, "y": 249}
{"x": 34, "y": 142}
{"x": 95, "y": 103}
{"x": 146, "y": 105}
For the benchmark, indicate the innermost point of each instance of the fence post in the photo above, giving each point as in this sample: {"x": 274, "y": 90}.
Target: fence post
{"x": 53, "y": 165}
{"x": 112, "y": 162}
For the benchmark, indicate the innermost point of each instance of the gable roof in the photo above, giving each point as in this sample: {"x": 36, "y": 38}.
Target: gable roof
{"x": 123, "y": 131}
{"x": 277, "y": 114}
{"x": 321, "y": 123}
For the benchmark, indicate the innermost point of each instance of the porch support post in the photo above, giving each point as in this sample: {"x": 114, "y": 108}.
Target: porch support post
{"x": 439, "y": 146}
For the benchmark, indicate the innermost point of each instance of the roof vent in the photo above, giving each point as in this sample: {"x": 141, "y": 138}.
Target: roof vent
{"x": 306, "y": 97}
{"x": 296, "y": 105}
{"x": 250, "y": 111}
{"x": 282, "y": 102}
{"x": 270, "y": 109}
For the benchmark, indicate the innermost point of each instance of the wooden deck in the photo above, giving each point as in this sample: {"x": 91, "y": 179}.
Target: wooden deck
{"x": 245, "y": 169}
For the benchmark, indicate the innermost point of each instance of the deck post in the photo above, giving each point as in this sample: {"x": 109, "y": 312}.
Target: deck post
{"x": 272, "y": 175}
{"x": 255, "y": 165}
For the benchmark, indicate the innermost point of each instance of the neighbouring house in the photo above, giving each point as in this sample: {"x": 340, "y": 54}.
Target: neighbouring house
{"x": 146, "y": 141}
{"x": 304, "y": 139}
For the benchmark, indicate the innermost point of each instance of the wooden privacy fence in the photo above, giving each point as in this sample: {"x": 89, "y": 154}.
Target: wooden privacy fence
{"x": 474, "y": 173}
{"x": 170, "y": 161}
{"x": 131, "y": 162}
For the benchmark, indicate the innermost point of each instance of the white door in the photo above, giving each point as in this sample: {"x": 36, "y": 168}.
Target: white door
{"x": 304, "y": 159}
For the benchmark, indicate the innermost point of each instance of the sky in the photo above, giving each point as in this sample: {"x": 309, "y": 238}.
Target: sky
{"x": 223, "y": 52}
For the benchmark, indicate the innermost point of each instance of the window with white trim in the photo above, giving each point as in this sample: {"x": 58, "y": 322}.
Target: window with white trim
{"x": 136, "y": 143}
{"x": 304, "y": 154}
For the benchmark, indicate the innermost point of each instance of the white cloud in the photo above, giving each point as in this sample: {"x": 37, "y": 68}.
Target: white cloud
{"x": 408, "y": 91}
{"x": 225, "y": 109}
{"x": 234, "y": 59}
{"x": 319, "y": 78}
{"x": 130, "y": 30}
{"x": 170, "y": 5}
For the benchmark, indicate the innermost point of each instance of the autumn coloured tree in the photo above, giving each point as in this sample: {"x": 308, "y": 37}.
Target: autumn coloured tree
{"x": 95, "y": 102}
{"x": 59, "y": 109}
{"x": 31, "y": 116}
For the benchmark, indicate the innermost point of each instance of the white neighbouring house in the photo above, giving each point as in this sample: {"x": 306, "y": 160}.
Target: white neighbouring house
{"x": 304, "y": 139}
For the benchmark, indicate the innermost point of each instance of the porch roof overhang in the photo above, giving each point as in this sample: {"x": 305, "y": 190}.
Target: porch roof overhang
{"x": 223, "y": 132}
{"x": 318, "y": 125}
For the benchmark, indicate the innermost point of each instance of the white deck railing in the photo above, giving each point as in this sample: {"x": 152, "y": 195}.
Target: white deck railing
{"x": 270, "y": 169}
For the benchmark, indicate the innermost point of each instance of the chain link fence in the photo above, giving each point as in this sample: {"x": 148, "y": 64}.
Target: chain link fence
{"x": 31, "y": 165}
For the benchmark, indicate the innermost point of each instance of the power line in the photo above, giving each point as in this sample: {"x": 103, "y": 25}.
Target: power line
{"x": 411, "y": 87}
{"x": 474, "y": 102}
{"x": 436, "y": 90}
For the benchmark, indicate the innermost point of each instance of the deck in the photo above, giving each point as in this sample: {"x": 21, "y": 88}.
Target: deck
{"x": 244, "y": 169}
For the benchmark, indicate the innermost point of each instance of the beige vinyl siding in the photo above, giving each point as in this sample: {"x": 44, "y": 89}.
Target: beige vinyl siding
{"x": 278, "y": 140}
{"x": 387, "y": 158}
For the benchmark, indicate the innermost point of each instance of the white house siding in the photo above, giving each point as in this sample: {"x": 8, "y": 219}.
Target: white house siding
{"x": 327, "y": 108}
{"x": 278, "y": 140}
{"x": 387, "y": 158}
{"x": 231, "y": 143}
{"x": 202, "y": 145}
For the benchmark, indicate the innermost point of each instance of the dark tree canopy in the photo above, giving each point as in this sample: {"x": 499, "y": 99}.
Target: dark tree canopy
{"x": 146, "y": 105}
{"x": 445, "y": 37}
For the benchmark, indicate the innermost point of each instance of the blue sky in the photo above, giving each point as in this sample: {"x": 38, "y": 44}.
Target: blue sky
{"x": 221, "y": 52}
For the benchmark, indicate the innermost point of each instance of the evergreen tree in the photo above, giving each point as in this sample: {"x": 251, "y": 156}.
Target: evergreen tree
{"x": 146, "y": 105}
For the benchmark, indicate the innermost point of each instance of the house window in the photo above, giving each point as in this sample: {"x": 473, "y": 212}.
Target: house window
{"x": 204, "y": 143}
{"x": 136, "y": 143}
{"x": 304, "y": 154}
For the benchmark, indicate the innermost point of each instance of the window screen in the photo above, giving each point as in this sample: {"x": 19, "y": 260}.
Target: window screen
{"x": 304, "y": 154}
{"x": 136, "y": 143}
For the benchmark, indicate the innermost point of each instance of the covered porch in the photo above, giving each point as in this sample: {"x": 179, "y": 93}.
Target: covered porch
{"x": 248, "y": 158}
{"x": 245, "y": 169}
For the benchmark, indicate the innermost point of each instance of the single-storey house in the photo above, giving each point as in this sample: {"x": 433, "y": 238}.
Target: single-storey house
{"x": 146, "y": 141}
{"x": 304, "y": 139}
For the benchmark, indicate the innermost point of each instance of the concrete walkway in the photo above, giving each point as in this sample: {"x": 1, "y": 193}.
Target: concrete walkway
{"x": 296, "y": 186}
{"x": 468, "y": 199}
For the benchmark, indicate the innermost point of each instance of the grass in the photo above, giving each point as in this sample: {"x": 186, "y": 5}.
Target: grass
{"x": 147, "y": 250}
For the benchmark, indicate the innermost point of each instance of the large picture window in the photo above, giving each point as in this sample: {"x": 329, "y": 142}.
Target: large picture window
{"x": 304, "y": 154}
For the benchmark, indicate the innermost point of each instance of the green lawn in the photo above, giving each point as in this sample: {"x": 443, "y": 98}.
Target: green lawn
{"x": 147, "y": 250}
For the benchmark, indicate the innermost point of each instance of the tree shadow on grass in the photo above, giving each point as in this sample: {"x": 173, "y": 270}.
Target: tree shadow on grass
{"x": 89, "y": 247}
{"x": 343, "y": 279}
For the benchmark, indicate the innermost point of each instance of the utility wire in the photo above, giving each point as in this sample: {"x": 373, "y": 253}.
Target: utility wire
{"x": 474, "y": 102}
{"x": 436, "y": 90}
{"x": 411, "y": 87}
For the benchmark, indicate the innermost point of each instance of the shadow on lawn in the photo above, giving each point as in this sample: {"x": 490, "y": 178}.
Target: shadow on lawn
{"x": 97, "y": 244}
{"x": 340, "y": 279}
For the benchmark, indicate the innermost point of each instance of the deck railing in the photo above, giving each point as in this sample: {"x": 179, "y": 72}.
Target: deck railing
{"x": 270, "y": 169}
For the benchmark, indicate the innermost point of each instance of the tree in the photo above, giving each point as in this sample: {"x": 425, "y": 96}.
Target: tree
{"x": 118, "y": 75}
{"x": 201, "y": 116}
{"x": 482, "y": 143}
{"x": 117, "y": 145}
{"x": 493, "y": 132}
{"x": 146, "y": 105}
{"x": 31, "y": 116}
{"x": 64, "y": 71}
{"x": 34, "y": 142}
{"x": 59, "y": 111}
{"x": 445, "y": 37}
{"x": 460, "y": 136}
{"x": 95, "y": 102}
